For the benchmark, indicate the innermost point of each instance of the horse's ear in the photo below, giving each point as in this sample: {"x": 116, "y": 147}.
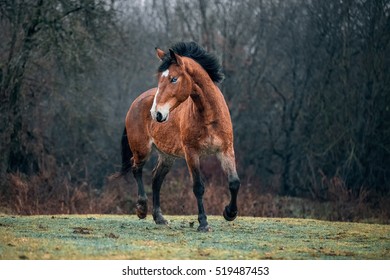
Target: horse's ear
{"x": 160, "y": 53}
{"x": 175, "y": 57}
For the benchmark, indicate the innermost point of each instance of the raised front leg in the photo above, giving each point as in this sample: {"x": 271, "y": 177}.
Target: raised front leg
{"x": 198, "y": 188}
{"x": 229, "y": 166}
{"x": 159, "y": 172}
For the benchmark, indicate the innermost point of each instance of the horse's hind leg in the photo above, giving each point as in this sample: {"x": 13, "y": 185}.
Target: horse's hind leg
{"x": 229, "y": 166}
{"x": 159, "y": 172}
{"x": 142, "y": 202}
{"x": 139, "y": 159}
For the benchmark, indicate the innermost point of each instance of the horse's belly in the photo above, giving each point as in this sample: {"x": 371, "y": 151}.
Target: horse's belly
{"x": 169, "y": 147}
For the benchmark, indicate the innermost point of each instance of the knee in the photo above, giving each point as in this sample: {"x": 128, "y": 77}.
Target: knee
{"x": 137, "y": 169}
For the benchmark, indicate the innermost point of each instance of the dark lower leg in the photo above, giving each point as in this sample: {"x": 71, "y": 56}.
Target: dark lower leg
{"x": 198, "y": 189}
{"x": 142, "y": 202}
{"x": 230, "y": 212}
{"x": 228, "y": 163}
{"x": 159, "y": 173}
{"x": 193, "y": 164}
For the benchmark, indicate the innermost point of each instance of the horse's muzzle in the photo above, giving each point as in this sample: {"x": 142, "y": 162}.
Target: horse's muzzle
{"x": 160, "y": 117}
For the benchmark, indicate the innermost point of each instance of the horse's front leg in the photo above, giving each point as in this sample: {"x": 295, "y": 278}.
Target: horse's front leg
{"x": 228, "y": 164}
{"x": 198, "y": 188}
{"x": 160, "y": 171}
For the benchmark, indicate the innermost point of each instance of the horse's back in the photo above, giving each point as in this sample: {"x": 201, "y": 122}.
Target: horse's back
{"x": 141, "y": 105}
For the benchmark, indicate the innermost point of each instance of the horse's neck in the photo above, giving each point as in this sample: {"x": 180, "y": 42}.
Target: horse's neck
{"x": 206, "y": 97}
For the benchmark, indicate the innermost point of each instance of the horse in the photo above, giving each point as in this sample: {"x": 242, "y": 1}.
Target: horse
{"x": 185, "y": 116}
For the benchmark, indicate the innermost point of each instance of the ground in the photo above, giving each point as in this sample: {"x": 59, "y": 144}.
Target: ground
{"x": 127, "y": 237}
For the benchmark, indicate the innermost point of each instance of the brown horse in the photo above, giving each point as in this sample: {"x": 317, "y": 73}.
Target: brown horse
{"x": 186, "y": 116}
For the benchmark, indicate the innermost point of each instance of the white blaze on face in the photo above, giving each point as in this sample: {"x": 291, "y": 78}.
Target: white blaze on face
{"x": 165, "y": 73}
{"x": 153, "y": 110}
{"x": 164, "y": 110}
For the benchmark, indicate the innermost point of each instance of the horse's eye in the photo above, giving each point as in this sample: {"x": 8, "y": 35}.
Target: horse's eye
{"x": 174, "y": 80}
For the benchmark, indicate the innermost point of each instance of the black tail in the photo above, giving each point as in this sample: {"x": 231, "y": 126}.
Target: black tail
{"x": 126, "y": 154}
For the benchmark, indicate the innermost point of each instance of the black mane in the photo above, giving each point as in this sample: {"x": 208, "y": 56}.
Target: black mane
{"x": 208, "y": 61}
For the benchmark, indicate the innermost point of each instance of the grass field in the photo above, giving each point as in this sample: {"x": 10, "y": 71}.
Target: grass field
{"x": 127, "y": 237}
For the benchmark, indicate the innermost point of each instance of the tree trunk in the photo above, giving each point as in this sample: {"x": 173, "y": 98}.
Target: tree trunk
{"x": 15, "y": 156}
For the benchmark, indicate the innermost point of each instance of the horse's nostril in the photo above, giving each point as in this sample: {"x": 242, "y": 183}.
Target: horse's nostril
{"x": 159, "y": 117}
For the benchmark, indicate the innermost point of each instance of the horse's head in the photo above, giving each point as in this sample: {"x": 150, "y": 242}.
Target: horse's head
{"x": 174, "y": 86}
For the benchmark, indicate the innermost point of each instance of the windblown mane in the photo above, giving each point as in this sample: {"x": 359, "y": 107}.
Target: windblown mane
{"x": 208, "y": 61}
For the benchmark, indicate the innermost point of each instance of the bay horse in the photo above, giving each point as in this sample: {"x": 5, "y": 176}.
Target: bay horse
{"x": 186, "y": 116}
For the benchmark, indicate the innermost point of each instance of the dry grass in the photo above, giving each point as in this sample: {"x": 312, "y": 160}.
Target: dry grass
{"x": 45, "y": 195}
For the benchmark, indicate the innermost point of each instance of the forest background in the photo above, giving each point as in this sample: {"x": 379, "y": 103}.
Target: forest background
{"x": 307, "y": 84}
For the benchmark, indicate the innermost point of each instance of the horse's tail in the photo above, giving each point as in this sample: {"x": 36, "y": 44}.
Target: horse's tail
{"x": 127, "y": 154}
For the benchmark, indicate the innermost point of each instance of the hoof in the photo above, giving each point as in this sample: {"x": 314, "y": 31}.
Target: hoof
{"x": 205, "y": 228}
{"x": 159, "y": 219}
{"x": 229, "y": 216}
{"x": 142, "y": 209}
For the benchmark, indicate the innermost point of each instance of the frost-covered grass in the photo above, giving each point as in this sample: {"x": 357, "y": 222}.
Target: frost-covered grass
{"x": 127, "y": 237}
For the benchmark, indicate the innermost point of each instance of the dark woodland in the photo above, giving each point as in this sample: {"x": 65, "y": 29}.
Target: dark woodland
{"x": 307, "y": 84}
